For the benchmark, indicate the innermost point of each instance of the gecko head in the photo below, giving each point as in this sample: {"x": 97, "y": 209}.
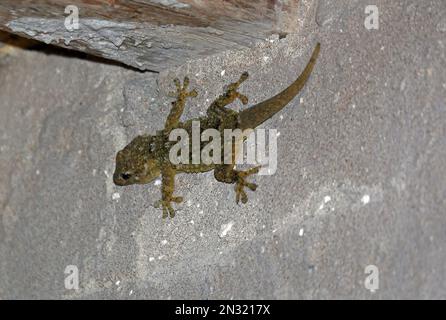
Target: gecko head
{"x": 136, "y": 163}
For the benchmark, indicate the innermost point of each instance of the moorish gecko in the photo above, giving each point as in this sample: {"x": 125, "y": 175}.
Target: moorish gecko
{"x": 146, "y": 157}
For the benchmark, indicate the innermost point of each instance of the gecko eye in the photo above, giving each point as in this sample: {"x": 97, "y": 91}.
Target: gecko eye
{"x": 125, "y": 176}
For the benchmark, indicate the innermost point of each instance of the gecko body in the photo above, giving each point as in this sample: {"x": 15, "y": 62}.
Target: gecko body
{"x": 146, "y": 157}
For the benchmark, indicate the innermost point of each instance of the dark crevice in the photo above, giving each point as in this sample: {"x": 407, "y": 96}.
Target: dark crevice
{"x": 34, "y": 45}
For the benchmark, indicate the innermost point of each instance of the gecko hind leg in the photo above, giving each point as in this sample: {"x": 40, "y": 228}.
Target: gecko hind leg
{"x": 231, "y": 94}
{"x": 231, "y": 90}
{"x": 227, "y": 174}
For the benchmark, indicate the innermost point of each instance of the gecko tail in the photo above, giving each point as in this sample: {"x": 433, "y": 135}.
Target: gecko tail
{"x": 259, "y": 113}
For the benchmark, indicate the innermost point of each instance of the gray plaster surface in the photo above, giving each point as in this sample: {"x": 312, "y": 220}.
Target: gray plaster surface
{"x": 360, "y": 178}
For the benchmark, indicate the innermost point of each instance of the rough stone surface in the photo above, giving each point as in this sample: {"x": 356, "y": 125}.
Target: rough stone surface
{"x": 360, "y": 179}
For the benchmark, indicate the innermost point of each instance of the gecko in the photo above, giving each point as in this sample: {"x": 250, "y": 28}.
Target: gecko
{"x": 146, "y": 157}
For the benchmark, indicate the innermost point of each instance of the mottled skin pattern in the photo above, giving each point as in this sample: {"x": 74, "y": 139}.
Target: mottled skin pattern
{"x": 147, "y": 157}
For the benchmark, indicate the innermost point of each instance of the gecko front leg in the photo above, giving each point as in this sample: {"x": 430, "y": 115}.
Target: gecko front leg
{"x": 167, "y": 189}
{"x": 178, "y": 106}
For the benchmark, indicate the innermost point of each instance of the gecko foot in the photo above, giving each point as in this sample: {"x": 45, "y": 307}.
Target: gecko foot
{"x": 241, "y": 183}
{"x": 166, "y": 205}
{"x": 231, "y": 90}
{"x": 182, "y": 92}
{"x": 218, "y": 109}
